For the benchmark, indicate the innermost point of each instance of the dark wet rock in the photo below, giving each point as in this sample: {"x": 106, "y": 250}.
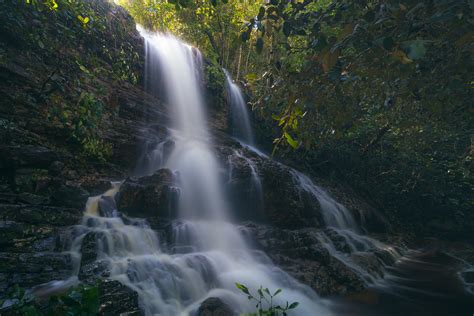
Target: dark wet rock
{"x": 154, "y": 195}
{"x": 97, "y": 184}
{"x": 34, "y": 199}
{"x": 43, "y": 215}
{"x": 55, "y": 168}
{"x": 107, "y": 206}
{"x": 214, "y": 306}
{"x": 26, "y": 156}
{"x": 284, "y": 204}
{"x": 92, "y": 270}
{"x": 302, "y": 255}
{"x": 25, "y": 179}
{"x": 339, "y": 241}
{"x": 117, "y": 299}
{"x": 70, "y": 196}
{"x": 89, "y": 247}
{"x": 244, "y": 191}
{"x": 366, "y": 216}
{"x": 468, "y": 277}
{"x": 30, "y": 269}
{"x": 21, "y": 237}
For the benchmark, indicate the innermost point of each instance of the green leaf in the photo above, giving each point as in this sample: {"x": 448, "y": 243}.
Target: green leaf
{"x": 251, "y": 76}
{"x": 293, "y": 305}
{"x": 91, "y": 300}
{"x": 277, "y": 292}
{"x": 242, "y": 287}
{"x": 293, "y": 143}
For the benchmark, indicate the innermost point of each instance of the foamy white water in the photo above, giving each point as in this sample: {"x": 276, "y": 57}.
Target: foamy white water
{"x": 240, "y": 119}
{"x": 208, "y": 254}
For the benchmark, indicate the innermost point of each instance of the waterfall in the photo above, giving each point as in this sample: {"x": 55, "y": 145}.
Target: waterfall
{"x": 240, "y": 120}
{"x": 341, "y": 224}
{"x": 207, "y": 254}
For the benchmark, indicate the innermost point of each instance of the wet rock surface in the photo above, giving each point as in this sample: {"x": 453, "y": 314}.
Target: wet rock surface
{"x": 117, "y": 299}
{"x": 300, "y": 253}
{"x": 32, "y": 268}
{"x": 214, "y": 306}
{"x": 155, "y": 195}
{"x": 283, "y": 203}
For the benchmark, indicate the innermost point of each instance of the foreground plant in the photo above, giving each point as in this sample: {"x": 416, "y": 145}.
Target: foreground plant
{"x": 80, "y": 300}
{"x": 264, "y": 297}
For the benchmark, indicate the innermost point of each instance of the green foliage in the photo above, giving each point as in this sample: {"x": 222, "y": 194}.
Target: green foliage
{"x": 215, "y": 83}
{"x": 378, "y": 94}
{"x": 78, "y": 301}
{"x": 84, "y": 47}
{"x": 264, "y": 299}
{"x": 82, "y": 122}
{"x": 97, "y": 148}
{"x": 213, "y": 25}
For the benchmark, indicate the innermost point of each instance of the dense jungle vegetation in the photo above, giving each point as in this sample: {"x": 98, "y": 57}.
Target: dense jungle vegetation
{"x": 376, "y": 93}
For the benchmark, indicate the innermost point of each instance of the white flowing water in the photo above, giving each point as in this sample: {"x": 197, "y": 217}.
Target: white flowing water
{"x": 342, "y": 225}
{"x": 240, "y": 119}
{"x": 207, "y": 254}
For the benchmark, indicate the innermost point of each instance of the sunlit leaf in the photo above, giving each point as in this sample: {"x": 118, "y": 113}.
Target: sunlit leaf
{"x": 242, "y": 287}
{"x": 293, "y": 143}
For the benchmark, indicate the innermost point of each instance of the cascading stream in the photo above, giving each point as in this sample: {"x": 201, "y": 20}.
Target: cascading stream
{"x": 240, "y": 119}
{"x": 208, "y": 254}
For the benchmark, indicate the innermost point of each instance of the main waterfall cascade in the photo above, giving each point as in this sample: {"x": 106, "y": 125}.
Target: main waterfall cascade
{"x": 207, "y": 254}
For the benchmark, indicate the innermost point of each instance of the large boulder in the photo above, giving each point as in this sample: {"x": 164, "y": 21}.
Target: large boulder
{"x": 70, "y": 196}
{"x": 117, "y": 299}
{"x": 286, "y": 204}
{"x": 214, "y": 306}
{"x": 274, "y": 198}
{"x": 153, "y": 196}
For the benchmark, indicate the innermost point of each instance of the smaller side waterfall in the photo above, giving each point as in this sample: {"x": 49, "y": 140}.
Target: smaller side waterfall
{"x": 240, "y": 120}
{"x": 335, "y": 214}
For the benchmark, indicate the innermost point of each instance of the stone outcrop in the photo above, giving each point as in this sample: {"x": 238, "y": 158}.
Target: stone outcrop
{"x": 283, "y": 203}
{"x": 152, "y": 196}
{"x": 214, "y": 306}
